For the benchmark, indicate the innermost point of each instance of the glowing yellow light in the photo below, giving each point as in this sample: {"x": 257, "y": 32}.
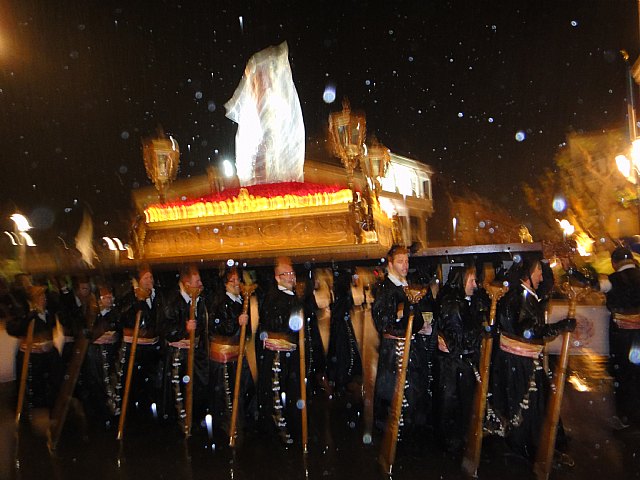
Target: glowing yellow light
{"x": 244, "y": 203}
{"x": 578, "y": 384}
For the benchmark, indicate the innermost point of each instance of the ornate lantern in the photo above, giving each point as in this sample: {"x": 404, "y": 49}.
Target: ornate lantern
{"x": 374, "y": 165}
{"x": 161, "y": 159}
{"x": 347, "y": 132}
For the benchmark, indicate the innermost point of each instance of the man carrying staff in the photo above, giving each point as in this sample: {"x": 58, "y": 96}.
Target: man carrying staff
{"x": 181, "y": 319}
{"x": 520, "y": 387}
{"x": 225, "y": 322}
{"x": 74, "y": 305}
{"x": 44, "y": 373}
{"x": 102, "y": 369}
{"x": 281, "y": 317}
{"x": 623, "y": 300}
{"x": 147, "y": 372}
{"x": 390, "y": 311}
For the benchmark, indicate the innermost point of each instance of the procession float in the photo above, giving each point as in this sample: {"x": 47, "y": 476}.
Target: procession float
{"x": 276, "y": 200}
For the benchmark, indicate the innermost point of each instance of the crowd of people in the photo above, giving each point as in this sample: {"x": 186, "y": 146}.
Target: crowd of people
{"x": 189, "y": 347}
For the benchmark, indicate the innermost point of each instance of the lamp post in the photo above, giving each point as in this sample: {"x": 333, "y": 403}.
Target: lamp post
{"x": 161, "y": 159}
{"x": 347, "y": 132}
{"x": 630, "y": 169}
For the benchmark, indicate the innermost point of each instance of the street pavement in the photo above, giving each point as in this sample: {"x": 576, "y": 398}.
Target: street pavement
{"x": 336, "y": 448}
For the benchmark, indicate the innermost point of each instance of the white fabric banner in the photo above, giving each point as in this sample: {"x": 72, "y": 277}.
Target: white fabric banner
{"x": 270, "y": 137}
{"x": 591, "y": 336}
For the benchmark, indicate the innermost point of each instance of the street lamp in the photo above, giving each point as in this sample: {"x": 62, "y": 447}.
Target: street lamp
{"x": 630, "y": 169}
{"x": 115, "y": 245}
{"x": 347, "y": 132}
{"x": 22, "y": 227}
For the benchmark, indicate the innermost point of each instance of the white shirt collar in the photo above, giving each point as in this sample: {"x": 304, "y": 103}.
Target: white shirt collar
{"x": 104, "y": 311}
{"x": 626, "y": 267}
{"x": 396, "y": 281}
{"x": 285, "y": 290}
{"x": 529, "y": 291}
{"x": 186, "y": 296}
{"x": 235, "y": 298}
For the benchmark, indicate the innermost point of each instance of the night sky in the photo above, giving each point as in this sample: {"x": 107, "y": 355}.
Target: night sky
{"x": 484, "y": 92}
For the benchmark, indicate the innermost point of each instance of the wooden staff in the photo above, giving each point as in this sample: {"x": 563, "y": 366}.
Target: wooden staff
{"x": 246, "y": 290}
{"x": 25, "y": 369}
{"x": 127, "y": 383}
{"x": 303, "y": 383}
{"x": 544, "y": 455}
{"x": 190, "y": 359}
{"x": 80, "y": 347}
{"x": 471, "y": 458}
{"x": 388, "y": 452}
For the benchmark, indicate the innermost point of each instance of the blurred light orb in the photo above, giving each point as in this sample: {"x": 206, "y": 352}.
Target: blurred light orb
{"x": 124, "y": 135}
{"x": 559, "y": 204}
{"x": 230, "y": 262}
{"x": 211, "y": 106}
{"x": 300, "y": 404}
{"x": 634, "y": 355}
{"x": 295, "y": 321}
{"x": 574, "y": 23}
{"x": 329, "y": 94}
{"x": 366, "y": 439}
{"x": 490, "y": 120}
{"x": 520, "y": 136}
{"x": 198, "y": 95}
{"x": 517, "y": 258}
{"x": 123, "y": 169}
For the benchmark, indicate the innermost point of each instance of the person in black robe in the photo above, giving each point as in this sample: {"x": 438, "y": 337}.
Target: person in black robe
{"x": 344, "y": 362}
{"x": 45, "y": 367}
{"x": 463, "y": 309}
{"x": 519, "y": 385}
{"x": 624, "y": 335}
{"x": 281, "y": 317}
{"x": 390, "y": 311}
{"x": 225, "y": 321}
{"x": 102, "y": 369}
{"x": 178, "y": 324}
{"x": 146, "y": 380}
{"x": 73, "y": 310}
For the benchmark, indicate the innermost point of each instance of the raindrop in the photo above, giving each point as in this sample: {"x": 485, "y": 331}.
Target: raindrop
{"x": 559, "y": 204}
{"x": 329, "y": 94}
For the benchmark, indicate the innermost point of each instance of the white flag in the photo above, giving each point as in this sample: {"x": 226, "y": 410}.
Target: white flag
{"x": 84, "y": 239}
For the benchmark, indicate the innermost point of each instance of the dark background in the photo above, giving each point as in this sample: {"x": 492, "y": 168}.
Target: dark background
{"x": 450, "y": 83}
